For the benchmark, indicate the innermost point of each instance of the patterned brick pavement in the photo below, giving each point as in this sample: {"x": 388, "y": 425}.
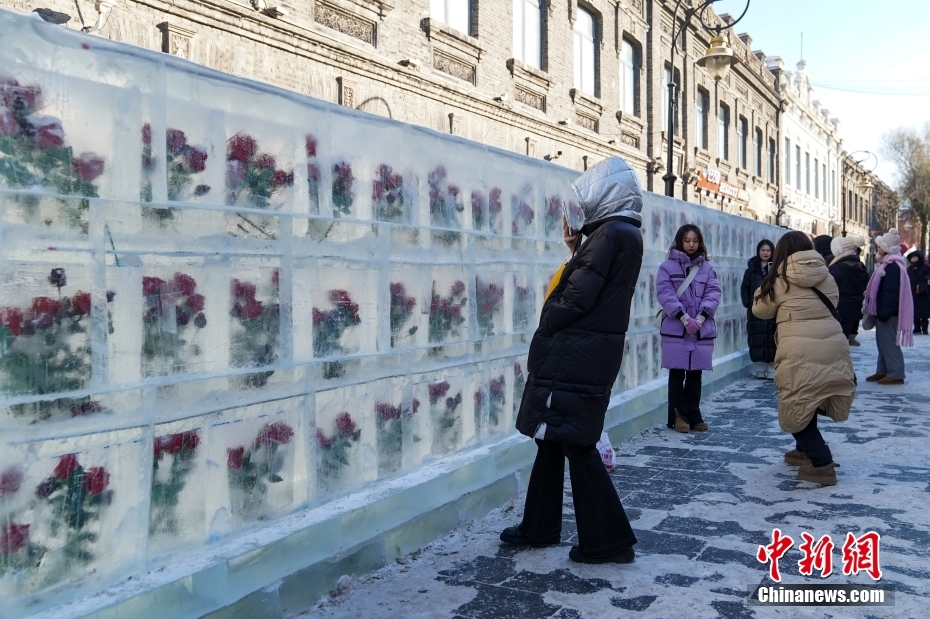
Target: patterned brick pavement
{"x": 700, "y": 504}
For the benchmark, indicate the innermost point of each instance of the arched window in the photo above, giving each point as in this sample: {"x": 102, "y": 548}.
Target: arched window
{"x": 584, "y": 52}
{"x": 527, "y": 23}
{"x": 701, "y": 103}
{"x": 723, "y": 132}
{"x": 453, "y": 13}
{"x": 629, "y": 77}
{"x": 742, "y": 137}
{"x": 758, "y": 152}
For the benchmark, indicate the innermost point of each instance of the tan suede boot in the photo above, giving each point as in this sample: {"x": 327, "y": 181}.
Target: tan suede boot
{"x": 797, "y": 458}
{"x": 700, "y": 427}
{"x": 823, "y": 475}
{"x": 680, "y": 424}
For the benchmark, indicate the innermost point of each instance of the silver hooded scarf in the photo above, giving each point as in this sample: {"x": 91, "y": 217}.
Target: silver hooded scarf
{"x": 609, "y": 189}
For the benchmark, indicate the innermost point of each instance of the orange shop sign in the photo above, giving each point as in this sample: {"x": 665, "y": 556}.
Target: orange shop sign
{"x": 710, "y": 182}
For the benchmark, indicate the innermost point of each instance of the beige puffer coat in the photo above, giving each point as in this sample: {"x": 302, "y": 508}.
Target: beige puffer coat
{"x": 813, "y": 368}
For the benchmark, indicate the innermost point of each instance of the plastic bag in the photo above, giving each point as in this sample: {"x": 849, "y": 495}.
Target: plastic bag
{"x": 607, "y": 452}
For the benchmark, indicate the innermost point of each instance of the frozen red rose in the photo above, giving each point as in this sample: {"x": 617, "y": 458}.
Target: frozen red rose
{"x": 265, "y": 160}
{"x": 13, "y": 537}
{"x": 88, "y": 167}
{"x": 184, "y": 284}
{"x": 66, "y": 466}
{"x": 12, "y": 319}
{"x": 234, "y": 458}
{"x": 310, "y": 146}
{"x": 10, "y": 481}
{"x": 345, "y": 424}
{"x": 240, "y": 148}
{"x": 147, "y": 134}
{"x": 151, "y": 285}
{"x": 47, "y": 487}
{"x": 45, "y": 305}
{"x": 176, "y": 140}
{"x": 196, "y": 302}
{"x": 47, "y": 132}
{"x": 81, "y": 303}
{"x": 278, "y": 433}
{"x": 197, "y": 159}
{"x": 96, "y": 480}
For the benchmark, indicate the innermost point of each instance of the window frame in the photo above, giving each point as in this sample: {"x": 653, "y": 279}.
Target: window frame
{"x": 742, "y": 155}
{"x": 758, "y": 138}
{"x": 701, "y": 108}
{"x": 787, "y": 162}
{"x": 773, "y": 154}
{"x": 631, "y": 69}
{"x": 446, "y": 12}
{"x": 807, "y": 172}
{"x": 579, "y": 65}
{"x": 520, "y": 26}
{"x": 723, "y": 131}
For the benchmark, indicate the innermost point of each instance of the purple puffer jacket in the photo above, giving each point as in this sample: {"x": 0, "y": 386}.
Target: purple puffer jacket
{"x": 681, "y": 351}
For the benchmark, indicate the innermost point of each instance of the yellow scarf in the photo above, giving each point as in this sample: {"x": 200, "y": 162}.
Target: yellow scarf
{"x": 556, "y": 277}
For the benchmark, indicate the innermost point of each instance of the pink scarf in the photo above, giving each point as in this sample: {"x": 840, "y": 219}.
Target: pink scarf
{"x": 905, "y": 335}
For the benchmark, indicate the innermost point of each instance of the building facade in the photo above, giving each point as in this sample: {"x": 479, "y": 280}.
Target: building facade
{"x": 572, "y": 81}
{"x": 811, "y": 155}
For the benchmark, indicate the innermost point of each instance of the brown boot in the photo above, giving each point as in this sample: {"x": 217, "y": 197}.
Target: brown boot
{"x": 874, "y": 378}
{"x": 680, "y": 424}
{"x": 891, "y": 381}
{"x": 797, "y": 458}
{"x": 700, "y": 427}
{"x": 823, "y": 475}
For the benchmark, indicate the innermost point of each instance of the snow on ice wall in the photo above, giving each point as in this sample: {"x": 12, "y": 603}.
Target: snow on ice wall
{"x": 221, "y": 303}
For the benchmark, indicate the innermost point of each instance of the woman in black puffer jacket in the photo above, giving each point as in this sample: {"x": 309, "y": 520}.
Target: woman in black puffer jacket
{"x": 919, "y": 274}
{"x": 761, "y": 332}
{"x": 573, "y": 362}
{"x": 851, "y": 278}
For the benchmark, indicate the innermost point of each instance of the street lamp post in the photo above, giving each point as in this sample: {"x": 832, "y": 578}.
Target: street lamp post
{"x": 717, "y": 61}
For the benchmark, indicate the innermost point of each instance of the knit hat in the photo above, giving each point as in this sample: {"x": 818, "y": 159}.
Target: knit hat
{"x": 889, "y": 243}
{"x": 845, "y": 245}
{"x": 822, "y": 244}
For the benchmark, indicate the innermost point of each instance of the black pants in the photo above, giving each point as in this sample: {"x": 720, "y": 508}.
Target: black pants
{"x": 684, "y": 394}
{"x": 920, "y": 325}
{"x": 810, "y": 441}
{"x": 603, "y": 527}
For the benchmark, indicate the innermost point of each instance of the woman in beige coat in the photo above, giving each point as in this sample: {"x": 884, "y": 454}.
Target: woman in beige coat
{"x": 813, "y": 369}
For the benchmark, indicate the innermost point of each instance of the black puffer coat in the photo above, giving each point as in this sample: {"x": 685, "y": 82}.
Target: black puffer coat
{"x": 575, "y": 354}
{"x": 919, "y": 274}
{"x": 851, "y": 278}
{"x": 761, "y": 332}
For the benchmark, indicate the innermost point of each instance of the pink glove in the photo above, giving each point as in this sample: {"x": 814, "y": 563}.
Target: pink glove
{"x": 692, "y": 326}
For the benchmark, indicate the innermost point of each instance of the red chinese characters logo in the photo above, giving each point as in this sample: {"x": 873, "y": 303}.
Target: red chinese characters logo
{"x": 775, "y": 551}
{"x": 819, "y": 555}
{"x": 860, "y": 554}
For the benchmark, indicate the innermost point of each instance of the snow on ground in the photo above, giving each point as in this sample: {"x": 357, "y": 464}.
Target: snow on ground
{"x": 700, "y": 504}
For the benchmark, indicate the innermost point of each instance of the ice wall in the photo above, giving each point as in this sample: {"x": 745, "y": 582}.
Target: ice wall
{"x": 221, "y": 303}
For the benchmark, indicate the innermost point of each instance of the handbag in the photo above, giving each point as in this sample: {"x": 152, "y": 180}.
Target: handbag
{"x": 660, "y": 316}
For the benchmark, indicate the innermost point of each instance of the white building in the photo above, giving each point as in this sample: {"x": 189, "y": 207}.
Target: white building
{"x": 811, "y": 155}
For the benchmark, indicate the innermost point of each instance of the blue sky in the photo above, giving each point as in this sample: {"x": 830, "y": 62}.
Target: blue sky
{"x": 880, "y": 46}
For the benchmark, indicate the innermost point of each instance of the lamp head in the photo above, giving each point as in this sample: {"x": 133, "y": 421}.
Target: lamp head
{"x": 718, "y": 58}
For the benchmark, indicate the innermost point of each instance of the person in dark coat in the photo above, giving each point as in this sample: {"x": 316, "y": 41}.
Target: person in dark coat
{"x": 851, "y": 278}
{"x": 761, "y": 332}
{"x": 822, "y": 246}
{"x": 919, "y": 274}
{"x": 574, "y": 359}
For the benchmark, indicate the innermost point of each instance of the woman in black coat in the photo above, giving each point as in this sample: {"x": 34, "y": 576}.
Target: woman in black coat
{"x": 851, "y": 278}
{"x": 919, "y": 274}
{"x": 573, "y": 361}
{"x": 761, "y": 332}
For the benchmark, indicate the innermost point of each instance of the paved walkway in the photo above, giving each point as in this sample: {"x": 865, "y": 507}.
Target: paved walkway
{"x": 700, "y": 504}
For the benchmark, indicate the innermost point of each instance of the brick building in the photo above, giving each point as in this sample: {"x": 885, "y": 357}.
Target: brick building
{"x": 568, "y": 80}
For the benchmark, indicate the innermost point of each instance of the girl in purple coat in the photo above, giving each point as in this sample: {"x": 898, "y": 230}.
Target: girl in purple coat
{"x": 688, "y": 330}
